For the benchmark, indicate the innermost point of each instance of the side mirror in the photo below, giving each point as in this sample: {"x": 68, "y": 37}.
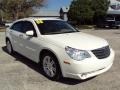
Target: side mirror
{"x": 30, "y": 33}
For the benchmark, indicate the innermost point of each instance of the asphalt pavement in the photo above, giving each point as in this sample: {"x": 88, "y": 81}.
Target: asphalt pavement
{"x": 20, "y": 73}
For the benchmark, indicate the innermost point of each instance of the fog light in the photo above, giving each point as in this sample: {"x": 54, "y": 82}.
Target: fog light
{"x": 83, "y": 75}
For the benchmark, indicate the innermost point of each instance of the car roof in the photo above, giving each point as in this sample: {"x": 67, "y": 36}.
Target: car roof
{"x": 35, "y": 19}
{"x": 38, "y": 18}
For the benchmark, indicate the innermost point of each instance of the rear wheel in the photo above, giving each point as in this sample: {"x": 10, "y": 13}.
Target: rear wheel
{"x": 117, "y": 27}
{"x": 50, "y": 66}
{"x": 9, "y": 47}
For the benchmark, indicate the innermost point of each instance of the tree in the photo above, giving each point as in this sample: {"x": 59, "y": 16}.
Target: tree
{"x": 80, "y": 11}
{"x": 19, "y": 8}
{"x": 100, "y": 8}
{"x": 85, "y": 11}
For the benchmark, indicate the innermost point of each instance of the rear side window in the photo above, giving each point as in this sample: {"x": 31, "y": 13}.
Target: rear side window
{"x": 17, "y": 26}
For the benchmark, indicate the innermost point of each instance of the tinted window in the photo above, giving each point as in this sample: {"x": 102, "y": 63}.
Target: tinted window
{"x": 27, "y": 26}
{"x": 108, "y": 18}
{"x": 17, "y": 26}
{"x": 117, "y": 18}
{"x": 47, "y": 27}
{"x": 115, "y": 7}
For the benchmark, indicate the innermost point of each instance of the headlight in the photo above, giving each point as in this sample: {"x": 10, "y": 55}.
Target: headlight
{"x": 77, "y": 54}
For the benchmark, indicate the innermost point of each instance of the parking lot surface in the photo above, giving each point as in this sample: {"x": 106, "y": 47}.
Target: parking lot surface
{"x": 19, "y": 73}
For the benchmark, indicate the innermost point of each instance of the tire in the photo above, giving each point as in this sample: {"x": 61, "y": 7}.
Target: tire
{"x": 117, "y": 27}
{"x": 9, "y": 47}
{"x": 50, "y": 66}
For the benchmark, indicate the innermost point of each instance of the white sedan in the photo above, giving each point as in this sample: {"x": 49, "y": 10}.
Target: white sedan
{"x": 60, "y": 49}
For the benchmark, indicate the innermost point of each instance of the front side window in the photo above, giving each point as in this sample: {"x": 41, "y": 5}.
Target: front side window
{"x": 28, "y": 26}
{"x": 47, "y": 27}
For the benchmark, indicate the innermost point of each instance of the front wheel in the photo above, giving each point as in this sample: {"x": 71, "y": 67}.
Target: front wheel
{"x": 50, "y": 66}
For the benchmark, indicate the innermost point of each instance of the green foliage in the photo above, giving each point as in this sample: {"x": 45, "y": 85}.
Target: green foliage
{"x": 80, "y": 11}
{"x": 100, "y": 8}
{"x": 19, "y": 8}
{"x": 83, "y": 11}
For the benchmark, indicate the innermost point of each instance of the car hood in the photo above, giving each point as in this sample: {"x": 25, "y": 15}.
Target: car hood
{"x": 77, "y": 40}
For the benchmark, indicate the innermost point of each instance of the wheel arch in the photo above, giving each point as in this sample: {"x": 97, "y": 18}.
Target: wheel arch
{"x": 53, "y": 53}
{"x": 48, "y": 51}
{"x": 6, "y": 39}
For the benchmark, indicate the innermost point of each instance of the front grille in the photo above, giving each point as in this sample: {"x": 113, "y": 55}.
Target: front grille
{"x": 102, "y": 53}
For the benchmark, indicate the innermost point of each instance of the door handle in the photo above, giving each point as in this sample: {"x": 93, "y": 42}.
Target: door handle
{"x": 21, "y": 36}
{"x": 10, "y": 32}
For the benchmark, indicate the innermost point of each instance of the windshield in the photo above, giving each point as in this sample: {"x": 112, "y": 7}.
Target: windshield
{"x": 47, "y": 27}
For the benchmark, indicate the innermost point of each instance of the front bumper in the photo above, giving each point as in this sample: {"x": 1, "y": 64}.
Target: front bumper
{"x": 88, "y": 68}
{"x": 88, "y": 74}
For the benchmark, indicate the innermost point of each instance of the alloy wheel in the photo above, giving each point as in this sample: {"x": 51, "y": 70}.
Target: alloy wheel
{"x": 49, "y": 66}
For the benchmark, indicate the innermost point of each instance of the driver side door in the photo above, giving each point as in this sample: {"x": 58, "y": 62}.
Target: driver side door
{"x": 31, "y": 45}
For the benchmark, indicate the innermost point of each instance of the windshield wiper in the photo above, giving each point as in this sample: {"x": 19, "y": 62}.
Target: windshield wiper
{"x": 60, "y": 32}
{"x": 53, "y": 33}
{"x": 70, "y": 31}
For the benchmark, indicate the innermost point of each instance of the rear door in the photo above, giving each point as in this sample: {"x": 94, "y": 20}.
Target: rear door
{"x": 16, "y": 35}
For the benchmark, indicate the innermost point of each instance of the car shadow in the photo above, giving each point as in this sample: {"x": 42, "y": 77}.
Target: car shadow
{"x": 37, "y": 68}
{"x": 117, "y": 33}
{"x": 105, "y": 28}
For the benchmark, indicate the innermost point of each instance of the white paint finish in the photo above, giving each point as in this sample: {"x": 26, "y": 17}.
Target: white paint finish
{"x": 77, "y": 40}
{"x": 31, "y": 47}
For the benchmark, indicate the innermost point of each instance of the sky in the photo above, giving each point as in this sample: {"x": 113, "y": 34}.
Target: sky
{"x": 55, "y": 4}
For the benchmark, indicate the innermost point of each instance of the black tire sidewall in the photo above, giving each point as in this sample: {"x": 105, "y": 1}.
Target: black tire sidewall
{"x": 11, "y": 47}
